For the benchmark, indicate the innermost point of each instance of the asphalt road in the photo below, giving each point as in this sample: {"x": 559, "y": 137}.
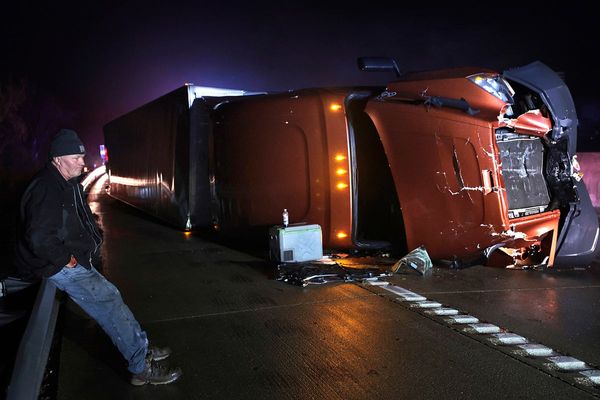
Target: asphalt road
{"x": 238, "y": 333}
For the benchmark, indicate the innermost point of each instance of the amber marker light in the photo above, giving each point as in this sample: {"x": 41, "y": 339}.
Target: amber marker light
{"x": 341, "y": 235}
{"x": 340, "y": 157}
{"x": 341, "y": 185}
{"x": 341, "y": 171}
{"x": 187, "y": 234}
{"x": 335, "y": 107}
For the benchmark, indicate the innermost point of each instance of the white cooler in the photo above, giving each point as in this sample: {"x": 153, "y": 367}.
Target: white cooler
{"x": 296, "y": 243}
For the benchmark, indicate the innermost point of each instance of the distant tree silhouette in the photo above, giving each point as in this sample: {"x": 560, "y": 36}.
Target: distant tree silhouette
{"x": 28, "y": 120}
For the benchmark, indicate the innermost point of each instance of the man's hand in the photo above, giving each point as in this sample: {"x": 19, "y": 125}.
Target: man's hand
{"x": 72, "y": 262}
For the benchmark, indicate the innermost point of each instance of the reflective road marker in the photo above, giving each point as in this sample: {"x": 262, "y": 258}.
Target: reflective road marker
{"x": 508, "y": 338}
{"x": 568, "y": 363}
{"x": 404, "y": 293}
{"x": 485, "y": 328}
{"x": 443, "y": 311}
{"x": 427, "y": 304}
{"x": 592, "y": 375}
{"x": 536, "y": 350}
{"x": 518, "y": 345}
{"x": 463, "y": 319}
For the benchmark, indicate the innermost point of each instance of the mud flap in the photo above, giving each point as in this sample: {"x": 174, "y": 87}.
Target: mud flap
{"x": 578, "y": 241}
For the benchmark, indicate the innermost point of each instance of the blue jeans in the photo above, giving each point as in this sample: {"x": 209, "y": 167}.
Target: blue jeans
{"x": 102, "y": 301}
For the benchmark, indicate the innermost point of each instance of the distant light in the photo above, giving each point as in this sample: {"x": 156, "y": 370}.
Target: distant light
{"x": 187, "y": 234}
{"x": 340, "y": 157}
{"x": 335, "y": 107}
{"x": 341, "y": 185}
{"x": 92, "y": 176}
{"x": 341, "y": 235}
{"x": 103, "y": 153}
{"x": 341, "y": 171}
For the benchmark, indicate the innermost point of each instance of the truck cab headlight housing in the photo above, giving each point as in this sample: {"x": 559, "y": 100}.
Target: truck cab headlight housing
{"x": 495, "y": 85}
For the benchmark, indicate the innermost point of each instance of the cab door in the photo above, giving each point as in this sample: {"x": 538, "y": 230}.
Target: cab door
{"x": 445, "y": 171}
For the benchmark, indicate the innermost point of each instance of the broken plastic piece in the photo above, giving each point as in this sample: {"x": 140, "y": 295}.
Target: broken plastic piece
{"x": 530, "y": 122}
{"x": 418, "y": 259}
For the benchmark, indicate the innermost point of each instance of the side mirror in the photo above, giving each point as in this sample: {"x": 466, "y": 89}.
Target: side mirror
{"x": 378, "y": 64}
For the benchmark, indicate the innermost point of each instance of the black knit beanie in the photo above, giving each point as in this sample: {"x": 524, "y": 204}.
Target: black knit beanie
{"x": 66, "y": 142}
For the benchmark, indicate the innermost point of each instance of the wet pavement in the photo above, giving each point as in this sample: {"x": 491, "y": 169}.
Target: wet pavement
{"x": 238, "y": 333}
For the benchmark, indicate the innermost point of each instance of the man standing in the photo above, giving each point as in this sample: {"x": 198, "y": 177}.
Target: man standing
{"x": 58, "y": 241}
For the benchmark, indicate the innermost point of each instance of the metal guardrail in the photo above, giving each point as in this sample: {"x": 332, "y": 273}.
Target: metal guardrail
{"x": 32, "y": 356}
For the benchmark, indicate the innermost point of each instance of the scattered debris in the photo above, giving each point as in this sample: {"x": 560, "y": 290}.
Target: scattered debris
{"x": 343, "y": 268}
{"x": 326, "y": 270}
{"x": 418, "y": 259}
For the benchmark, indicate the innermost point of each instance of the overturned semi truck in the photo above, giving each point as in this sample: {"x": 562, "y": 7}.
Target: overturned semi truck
{"x": 470, "y": 163}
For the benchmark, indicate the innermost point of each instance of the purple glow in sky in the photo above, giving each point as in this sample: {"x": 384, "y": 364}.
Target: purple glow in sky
{"x": 102, "y": 59}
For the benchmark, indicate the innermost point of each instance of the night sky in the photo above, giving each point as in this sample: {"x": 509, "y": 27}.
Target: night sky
{"x": 100, "y": 60}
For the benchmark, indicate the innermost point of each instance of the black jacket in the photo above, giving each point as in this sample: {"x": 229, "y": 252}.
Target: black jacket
{"x": 55, "y": 223}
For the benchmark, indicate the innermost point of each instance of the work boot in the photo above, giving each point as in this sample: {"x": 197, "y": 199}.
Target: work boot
{"x": 155, "y": 374}
{"x": 158, "y": 353}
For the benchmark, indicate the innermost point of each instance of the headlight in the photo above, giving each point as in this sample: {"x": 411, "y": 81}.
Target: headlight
{"x": 495, "y": 85}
